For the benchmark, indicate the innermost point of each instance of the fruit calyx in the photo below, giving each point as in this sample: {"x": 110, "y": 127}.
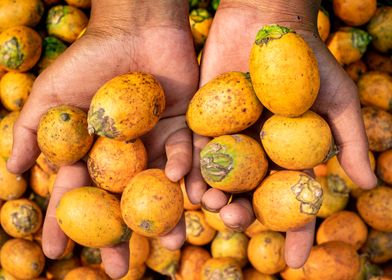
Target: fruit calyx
{"x": 271, "y": 32}
{"x": 216, "y": 164}
{"x": 309, "y": 193}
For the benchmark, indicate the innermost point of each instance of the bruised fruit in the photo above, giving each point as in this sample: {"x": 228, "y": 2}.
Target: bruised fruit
{"x": 15, "y": 88}
{"x": 233, "y": 163}
{"x": 284, "y": 71}
{"x": 12, "y": 186}
{"x": 378, "y": 125}
{"x": 253, "y": 274}
{"x": 52, "y": 48}
{"x": 231, "y": 244}
{"x": 356, "y": 69}
{"x": 91, "y": 257}
{"x": 6, "y": 134}
{"x": 112, "y": 163}
{"x": 375, "y": 89}
{"x": 375, "y": 207}
{"x": 139, "y": 250}
{"x": 188, "y": 205}
{"x": 379, "y": 246}
{"x": 21, "y": 12}
{"x": 225, "y": 105}
{"x": 20, "y": 48}
{"x": 255, "y": 228}
{"x": 21, "y": 217}
{"x": 384, "y": 166}
{"x": 266, "y": 252}
{"x": 23, "y": 258}
{"x": 332, "y": 260}
{"x": 65, "y": 22}
{"x": 198, "y": 232}
{"x": 353, "y": 12}
{"x": 380, "y": 27}
{"x": 200, "y": 21}
{"x": 162, "y": 260}
{"x": 192, "y": 260}
{"x": 287, "y": 200}
{"x": 297, "y": 143}
{"x": 214, "y": 220}
{"x": 74, "y": 215}
{"x": 58, "y": 269}
{"x": 151, "y": 204}
{"x": 62, "y": 135}
{"x": 126, "y": 107}
{"x": 335, "y": 197}
{"x": 323, "y": 24}
{"x": 83, "y": 4}
{"x": 293, "y": 274}
{"x": 221, "y": 268}
{"x": 86, "y": 273}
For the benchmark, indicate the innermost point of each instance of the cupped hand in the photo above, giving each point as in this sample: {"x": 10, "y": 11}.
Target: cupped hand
{"x": 228, "y": 46}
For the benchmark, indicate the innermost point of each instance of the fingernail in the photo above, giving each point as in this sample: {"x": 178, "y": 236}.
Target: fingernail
{"x": 205, "y": 207}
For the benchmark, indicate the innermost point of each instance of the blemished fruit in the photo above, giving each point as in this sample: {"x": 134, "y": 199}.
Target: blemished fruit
{"x": 52, "y": 48}
{"x": 380, "y": 29}
{"x": 293, "y": 274}
{"x": 86, "y": 273}
{"x": 287, "y": 200}
{"x": 192, "y": 260}
{"x": 375, "y": 89}
{"x": 378, "y": 61}
{"x": 15, "y": 88}
{"x": 91, "y": 257}
{"x": 378, "y": 125}
{"x": 198, "y": 232}
{"x": 354, "y": 13}
{"x": 112, "y": 163}
{"x": 335, "y": 198}
{"x": 151, "y": 204}
{"x": 332, "y": 260}
{"x": 21, "y": 12}
{"x": 379, "y": 246}
{"x": 200, "y": 21}
{"x": 59, "y": 268}
{"x": 23, "y": 258}
{"x": 231, "y": 244}
{"x": 40, "y": 176}
{"x": 266, "y": 252}
{"x": 83, "y": 4}
{"x": 348, "y": 44}
{"x": 188, "y": 205}
{"x": 12, "y": 186}
{"x": 255, "y": 228}
{"x": 356, "y": 69}
{"x": 65, "y": 22}
{"x": 126, "y": 107}
{"x": 74, "y": 215}
{"x": 62, "y": 135}
{"x": 225, "y": 105}
{"x": 384, "y": 166}
{"x": 323, "y": 24}
{"x": 162, "y": 260}
{"x": 214, "y": 220}
{"x": 233, "y": 163}
{"x": 253, "y": 274}
{"x": 6, "y": 134}
{"x": 20, "y": 48}
{"x": 139, "y": 250}
{"x": 297, "y": 143}
{"x": 343, "y": 226}
{"x": 221, "y": 268}
{"x": 375, "y": 207}
{"x": 284, "y": 71}
{"x": 21, "y": 217}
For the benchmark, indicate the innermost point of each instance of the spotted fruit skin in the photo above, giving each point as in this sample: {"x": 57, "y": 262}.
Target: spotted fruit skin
{"x": 221, "y": 268}
{"x": 233, "y": 163}
{"x": 379, "y": 27}
{"x": 18, "y": 13}
{"x": 15, "y": 88}
{"x": 198, "y": 232}
{"x": 231, "y": 244}
{"x": 384, "y": 166}
{"x": 151, "y": 204}
{"x": 6, "y": 134}
{"x": 162, "y": 260}
{"x": 378, "y": 125}
{"x": 225, "y": 105}
{"x": 375, "y": 89}
{"x": 126, "y": 107}
{"x": 379, "y": 246}
{"x": 287, "y": 200}
{"x": 192, "y": 260}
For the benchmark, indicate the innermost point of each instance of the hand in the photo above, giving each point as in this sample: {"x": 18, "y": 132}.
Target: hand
{"x": 227, "y": 49}
{"x": 122, "y": 36}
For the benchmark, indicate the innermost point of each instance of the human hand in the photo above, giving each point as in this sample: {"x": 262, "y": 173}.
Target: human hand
{"x": 228, "y": 46}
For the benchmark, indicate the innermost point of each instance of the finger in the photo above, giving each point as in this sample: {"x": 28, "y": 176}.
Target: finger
{"x": 116, "y": 260}
{"x": 176, "y": 238}
{"x": 213, "y": 200}
{"x": 195, "y": 185}
{"x": 238, "y": 215}
{"x": 54, "y": 241}
{"x": 179, "y": 154}
{"x": 298, "y": 245}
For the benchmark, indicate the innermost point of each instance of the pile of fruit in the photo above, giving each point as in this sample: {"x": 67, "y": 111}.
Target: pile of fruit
{"x": 260, "y": 123}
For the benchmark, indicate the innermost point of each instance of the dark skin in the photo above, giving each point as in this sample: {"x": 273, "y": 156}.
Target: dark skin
{"x": 154, "y": 37}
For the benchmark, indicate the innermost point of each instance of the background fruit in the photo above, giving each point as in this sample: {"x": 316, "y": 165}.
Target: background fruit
{"x": 380, "y": 29}
{"x": 375, "y": 89}
{"x": 378, "y": 125}
{"x": 198, "y": 232}
{"x": 6, "y": 134}
{"x": 192, "y": 260}
{"x": 231, "y": 244}
{"x": 334, "y": 197}
{"x": 11, "y": 186}
{"x": 354, "y": 13}
{"x": 15, "y": 89}
{"x": 21, "y": 12}
{"x": 323, "y": 24}
{"x": 221, "y": 268}
{"x": 163, "y": 260}
{"x": 384, "y": 166}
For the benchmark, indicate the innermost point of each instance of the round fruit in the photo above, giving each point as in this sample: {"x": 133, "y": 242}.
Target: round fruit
{"x": 233, "y": 163}
{"x": 378, "y": 125}
{"x": 188, "y": 205}
{"x": 384, "y": 166}
{"x": 380, "y": 29}
{"x": 91, "y": 257}
{"x": 163, "y": 260}
{"x": 126, "y": 107}
{"x": 379, "y": 246}
{"x": 375, "y": 89}
{"x": 4, "y": 275}
{"x": 192, "y": 260}
{"x": 86, "y": 273}
{"x": 112, "y": 163}
{"x": 11, "y": 186}
{"x": 75, "y": 211}
{"x": 378, "y": 62}
{"x": 231, "y": 244}
{"x": 354, "y": 13}
{"x": 253, "y": 274}
{"x": 15, "y": 88}
{"x": 225, "y": 105}
{"x": 335, "y": 198}
{"x": 293, "y": 274}
{"x": 20, "y": 48}
{"x": 323, "y": 24}
{"x": 356, "y": 69}
{"x": 200, "y": 21}
{"x": 21, "y": 12}
{"x": 6, "y": 134}
{"x": 287, "y": 200}
{"x": 255, "y": 228}
{"x": 51, "y": 50}
{"x": 59, "y": 268}
{"x": 83, "y": 4}
{"x": 214, "y": 220}
{"x": 62, "y": 135}
{"x": 151, "y": 204}
{"x": 198, "y": 232}
{"x": 284, "y": 71}
{"x": 221, "y": 268}
{"x": 139, "y": 250}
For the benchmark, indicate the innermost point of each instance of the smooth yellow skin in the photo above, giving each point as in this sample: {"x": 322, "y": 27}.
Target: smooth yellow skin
{"x": 162, "y": 260}
{"x": 353, "y": 12}
{"x": 62, "y": 135}
{"x": 323, "y": 25}
{"x": 214, "y": 220}
{"x": 255, "y": 228}
{"x": 111, "y": 115}
{"x": 375, "y": 207}
{"x": 66, "y": 22}
{"x": 285, "y": 75}
{"x": 341, "y": 46}
{"x": 135, "y": 273}
{"x": 83, "y": 4}
{"x": 380, "y": 28}
{"x": 11, "y": 186}
{"x": 293, "y": 274}
{"x": 151, "y": 204}
{"x": 22, "y": 258}
{"x": 231, "y": 244}
{"x": 379, "y": 246}
{"x": 86, "y": 273}
{"x": 198, "y": 232}
{"x": 21, "y": 12}
{"x": 139, "y": 250}
{"x": 287, "y": 200}
{"x": 334, "y": 199}
{"x": 378, "y": 126}
{"x": 59, "y": 268}
{"x": 188, "y": 205}
{"x": 225, "y": 105}
{"x": 39, "y": 181}
{"x": 6, "y": 134}
{"x": 192, "y": 260}
{"x": 221, "y": 268}
{"x": 253, "y": 274}
{"x": 21, "y": 217}
{"x": 91, "y": 217}
{"x": 15, "y": 88}
{"x": 297, "y": 143}
{"x": 375, "y": 89}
